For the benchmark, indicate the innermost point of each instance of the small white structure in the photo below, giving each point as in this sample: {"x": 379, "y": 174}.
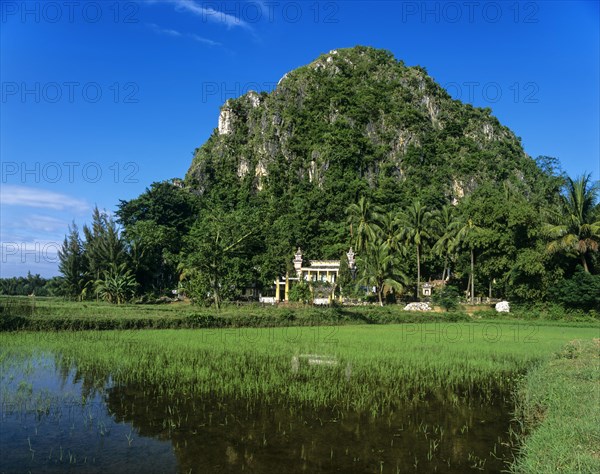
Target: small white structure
{"x": 426, "y": 288}
{"x": 321, "y": 301}
{"x": 503, "y": 307}
{"x": 319, "y": 360}
{"x": 266, "y": 299}
{"x": 312, "y": 359}
{"x": 417, "y": 307}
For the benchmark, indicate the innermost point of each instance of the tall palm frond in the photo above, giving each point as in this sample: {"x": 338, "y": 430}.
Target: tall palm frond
{"x": 361, "y": 219}
{"x": 574, "y": 229}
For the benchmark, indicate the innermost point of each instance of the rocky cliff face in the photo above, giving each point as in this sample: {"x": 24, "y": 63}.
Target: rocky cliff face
{"x": 356, "y": 115}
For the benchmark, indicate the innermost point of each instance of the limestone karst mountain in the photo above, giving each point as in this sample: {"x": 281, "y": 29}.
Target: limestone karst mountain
{"x": 356, "y": 121}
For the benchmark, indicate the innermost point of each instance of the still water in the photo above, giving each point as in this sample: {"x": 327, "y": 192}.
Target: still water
{"x": 55, "y": 419}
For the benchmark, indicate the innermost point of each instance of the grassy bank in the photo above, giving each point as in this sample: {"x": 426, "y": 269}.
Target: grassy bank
{"x": 48, "y": 314}
{"x": 559, "y": 404}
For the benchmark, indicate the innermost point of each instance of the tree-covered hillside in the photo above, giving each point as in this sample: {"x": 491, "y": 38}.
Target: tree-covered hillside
{"x": 357, "y": 140}
{"x": 357, "y": 121}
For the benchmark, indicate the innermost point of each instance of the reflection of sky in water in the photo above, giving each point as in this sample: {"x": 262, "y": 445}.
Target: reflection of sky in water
{"x": 47, "y": 426}
{"x": 88, "y": 424}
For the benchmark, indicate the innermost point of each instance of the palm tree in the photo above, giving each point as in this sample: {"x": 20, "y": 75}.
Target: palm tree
{"x": 380, "y": 268}
{"x": 446, "y": 227}
{"x": 390, "y": 230}
{"x": 417, "y": 229}
{"x": 361, "y": 217}
{"x": 575, "y": 228}
{"x": 467, "y": 233}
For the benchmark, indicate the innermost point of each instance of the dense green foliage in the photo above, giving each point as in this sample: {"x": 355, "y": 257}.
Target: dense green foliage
{"x": 219, "y": 254}
{"x": 356, "y": 149}
{"x": 98, "y": 265}
{"x": 580, "y": 291}
{"x": 30, "y": 285}
{"x": 447, "y": 298}
{"x": 155, "y": 225}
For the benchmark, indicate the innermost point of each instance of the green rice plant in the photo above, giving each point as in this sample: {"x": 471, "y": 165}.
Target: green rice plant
{"x": 391, "y": 364}
{"x": 301, "y": 366}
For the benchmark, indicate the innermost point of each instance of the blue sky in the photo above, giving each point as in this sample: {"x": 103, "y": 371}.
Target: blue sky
{"x": 100, "y": 99}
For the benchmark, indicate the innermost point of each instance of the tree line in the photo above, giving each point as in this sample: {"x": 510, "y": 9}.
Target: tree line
{"x": 515, "y": 251}
{"x": 31, "y": 285}
{"x": 504, "y": 241}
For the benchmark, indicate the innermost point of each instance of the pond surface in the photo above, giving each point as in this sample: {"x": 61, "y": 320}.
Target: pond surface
{"x": 56, "y": 419}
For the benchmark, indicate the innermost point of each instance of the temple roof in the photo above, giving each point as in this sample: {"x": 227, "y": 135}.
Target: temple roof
{"x": 323, "y": 264}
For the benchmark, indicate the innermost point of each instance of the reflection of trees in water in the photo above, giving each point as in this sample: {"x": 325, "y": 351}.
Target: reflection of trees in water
{"x": 94, "y": 380}
{"x": 216, "y": 435}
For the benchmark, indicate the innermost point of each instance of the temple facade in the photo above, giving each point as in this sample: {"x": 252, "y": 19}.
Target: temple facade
{"x": 325, "y": 271}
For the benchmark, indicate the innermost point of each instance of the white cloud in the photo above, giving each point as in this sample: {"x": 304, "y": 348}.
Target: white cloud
{"x": 176, "y": 34}
{"x": 207, "y": 13}
{"x": 11, "y": 195}
{"x": 163, "y": 31}
{"x": 43, "y": 223}
{"x": 204, "y": 40}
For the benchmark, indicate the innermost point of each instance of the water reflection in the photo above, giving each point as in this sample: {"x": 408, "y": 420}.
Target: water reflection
{"x": 55, "y": 419}
{"x": 97, "y": 426}
{"x": 213, "y": 435}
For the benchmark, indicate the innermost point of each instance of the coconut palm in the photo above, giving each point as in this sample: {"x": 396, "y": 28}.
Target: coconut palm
{"x": 390, "y": 230}
{"x": 417, "y": 229}
{"x": 467, "y": 234}
{"x": 575, "y": 227}
{"x": 446, "y": 224}
{"x": 361, "y": 218}
{"x": 381, "y": 268}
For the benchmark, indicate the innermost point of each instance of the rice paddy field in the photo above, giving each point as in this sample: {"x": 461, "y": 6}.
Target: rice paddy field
{"x": 415, "y": 397}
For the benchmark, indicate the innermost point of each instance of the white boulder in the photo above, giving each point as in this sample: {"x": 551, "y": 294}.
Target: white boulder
{"x": 503, "y": 307}
{"x": 417, "y": 307}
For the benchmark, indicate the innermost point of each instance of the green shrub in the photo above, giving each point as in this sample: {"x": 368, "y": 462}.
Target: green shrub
{"x": 581, "y": 291}
{"x": 447, "y": 297}
{"x": 300, "y": 292}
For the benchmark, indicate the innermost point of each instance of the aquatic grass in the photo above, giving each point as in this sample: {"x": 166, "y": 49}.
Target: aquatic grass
{"x": 389, "y": 364}
{"x": 214, "y": 375}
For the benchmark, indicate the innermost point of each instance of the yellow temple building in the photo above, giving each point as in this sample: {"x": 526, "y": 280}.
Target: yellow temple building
{"x": 326, "y": 271}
